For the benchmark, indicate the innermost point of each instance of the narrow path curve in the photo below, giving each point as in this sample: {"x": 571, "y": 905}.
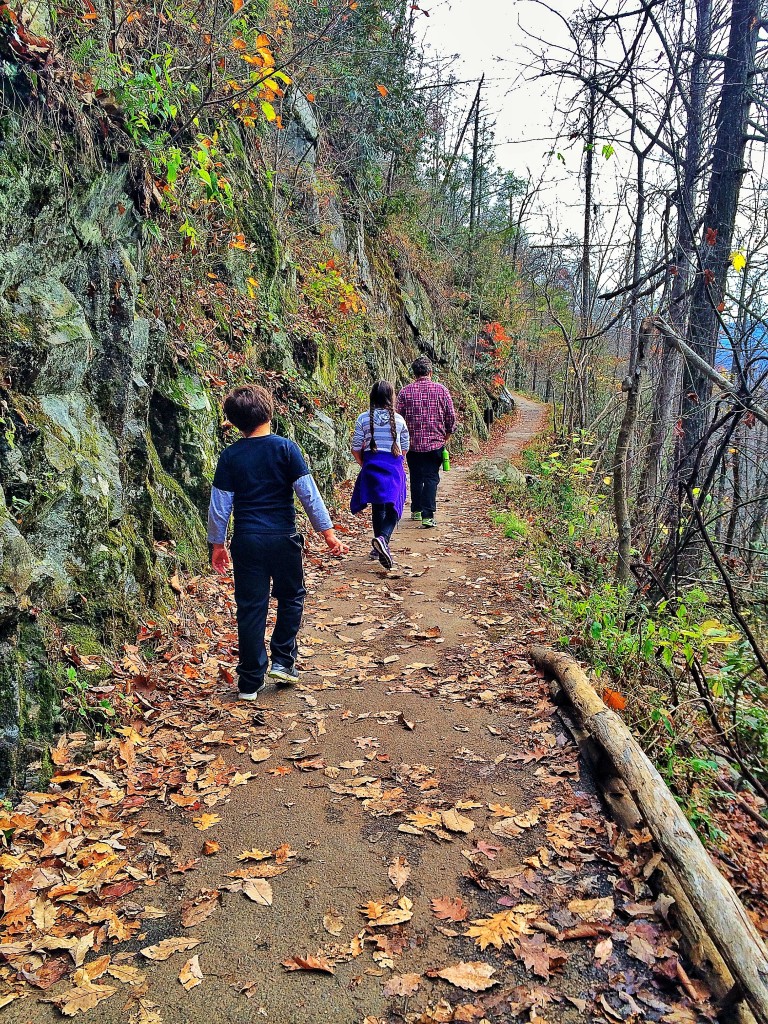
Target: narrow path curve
{"x": 416, "y": 781}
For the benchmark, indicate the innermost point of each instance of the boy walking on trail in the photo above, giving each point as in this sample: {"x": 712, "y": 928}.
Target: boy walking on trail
{"x": 256, "y": 478}
{"x": 427, "y": 408}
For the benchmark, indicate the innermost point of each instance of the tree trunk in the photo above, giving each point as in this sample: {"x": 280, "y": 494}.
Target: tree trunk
{"x": 474, "y": 192}
{"x": 666, "y": 402}
{"x": 621, "y": 461}
{"x": 719, "y": 220}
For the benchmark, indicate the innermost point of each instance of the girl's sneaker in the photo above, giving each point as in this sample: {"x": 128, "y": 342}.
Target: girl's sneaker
{"x": 416, "y": 517}
{"x": 373, "y": 555}
{"x": 385, "y": 555}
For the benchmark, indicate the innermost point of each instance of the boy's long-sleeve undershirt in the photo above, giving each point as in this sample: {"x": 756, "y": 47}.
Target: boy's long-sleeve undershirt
{"x": 305, "y": 489}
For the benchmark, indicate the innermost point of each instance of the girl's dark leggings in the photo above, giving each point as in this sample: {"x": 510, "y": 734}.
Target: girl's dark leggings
{"x": 385, "y": 519}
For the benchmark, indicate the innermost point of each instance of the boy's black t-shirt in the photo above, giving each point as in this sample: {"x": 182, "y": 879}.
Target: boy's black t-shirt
{"x": 260, "y": 472}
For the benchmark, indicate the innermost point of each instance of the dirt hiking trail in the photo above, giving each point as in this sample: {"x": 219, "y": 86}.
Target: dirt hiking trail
{"x": 407, "y": 835}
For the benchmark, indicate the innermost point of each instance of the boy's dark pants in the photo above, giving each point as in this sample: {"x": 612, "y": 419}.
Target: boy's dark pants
{"x": 258, "y": 561}
{"x": 425, "y": 476}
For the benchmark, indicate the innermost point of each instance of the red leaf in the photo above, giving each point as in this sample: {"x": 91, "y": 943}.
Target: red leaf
{"x": 614, "y": 699}
{"x": 710, "y": 236}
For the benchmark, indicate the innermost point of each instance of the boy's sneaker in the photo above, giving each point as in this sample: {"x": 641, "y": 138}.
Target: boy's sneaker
{"x": 284, "y": 673}
{"x": 385, "y": 555}
{"x": 416, "y": 517}
{"x": 251, "y": 694}
{"x": 427, "y": 524}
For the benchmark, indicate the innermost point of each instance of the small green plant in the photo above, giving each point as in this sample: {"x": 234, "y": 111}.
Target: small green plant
{"x": 512, "y": 525}
{"x": 97, "y": 713}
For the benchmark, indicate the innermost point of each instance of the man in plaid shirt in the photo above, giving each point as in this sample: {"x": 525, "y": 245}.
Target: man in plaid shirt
{"x": 428, "y": 411}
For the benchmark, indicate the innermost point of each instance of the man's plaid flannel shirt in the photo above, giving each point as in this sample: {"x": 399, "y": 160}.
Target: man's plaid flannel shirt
{"x": 428, "y": 410}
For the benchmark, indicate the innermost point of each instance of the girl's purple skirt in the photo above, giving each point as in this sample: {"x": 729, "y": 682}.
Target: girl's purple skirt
{"x": 381, "y": 482}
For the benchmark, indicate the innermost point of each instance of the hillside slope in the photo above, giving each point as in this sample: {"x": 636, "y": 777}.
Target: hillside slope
{"x": 124, "y": 316}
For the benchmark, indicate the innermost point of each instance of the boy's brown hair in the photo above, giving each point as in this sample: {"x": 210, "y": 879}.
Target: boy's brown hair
{"x": 249, "y": 407}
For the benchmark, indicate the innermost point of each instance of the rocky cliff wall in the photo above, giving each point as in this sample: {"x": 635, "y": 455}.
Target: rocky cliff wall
{"x": 109, "y": 406}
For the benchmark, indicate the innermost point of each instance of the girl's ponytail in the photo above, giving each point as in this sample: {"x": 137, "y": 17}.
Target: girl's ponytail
{"x": 383, "y": 397}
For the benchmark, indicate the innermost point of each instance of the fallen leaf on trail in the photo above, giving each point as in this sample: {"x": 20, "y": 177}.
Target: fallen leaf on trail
{"x": 399, "y": 872}
{"x": 425, "y": 819}
{"x": 498, "y": 930}
{"x": 402, "y": 985}
{"x": 604, "y": 950}
{"x": 308, "y": 963}
{"x": 190, "y": 974}
{"x": 600, "y": 909}
{"x": 473, "y": 976}
{"x": 311, "y": 764}
{"x": 258, "y": 890}
{"x": 254, "y": 854}
{"x": 210, "y": 846}
{"x": 538, "y": 956}
{"x": 126, "y": 974}
{"x": 166, "y": 948}
{"x": 147, "y": 1013}
{"x": 216, "y": 736}
{"x": 247, "y": 988}
{"x": 379, "y": 916}
{"x": 83, "y": 997}
{"x": 333, "y": 922}
{"x": 195, "y": 912}
{"x": 151, "y": 913}
{"x": 641, "y": 949}
{"x": 447, "y": 909}
{"x": 410, "y": 726}
{"x": 260, "y": 754}
{"x": 188, "y": 865}
{"x": 97, "y": 967}
{"x": 502, "y": 810}
{"x": 206, "y": 821}
{"x": 51, "y": 972}
{"x": 456, "y": 822}
{"x": 489, "y": 850}
{"x": 506, "y": 828}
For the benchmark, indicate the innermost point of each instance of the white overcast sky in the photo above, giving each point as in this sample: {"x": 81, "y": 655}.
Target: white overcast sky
{"x": 490, "y": 36}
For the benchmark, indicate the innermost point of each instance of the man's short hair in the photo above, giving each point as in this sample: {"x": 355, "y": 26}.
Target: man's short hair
{"x": 249, "y": 407}
{"x": 421, "y": 367}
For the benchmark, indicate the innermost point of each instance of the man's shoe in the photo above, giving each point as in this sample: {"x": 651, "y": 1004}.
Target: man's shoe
{"x": 385, "y": 555}
{"x": 284, "y": 673}
{"x": 416, "y": 517}
{"x": 251, "y": 694}
{"x": 427, "y": 524}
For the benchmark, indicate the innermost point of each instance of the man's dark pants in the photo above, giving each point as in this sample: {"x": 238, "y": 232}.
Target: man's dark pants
{"x": 261, "y": 562}
{"x": 424, "y": 469}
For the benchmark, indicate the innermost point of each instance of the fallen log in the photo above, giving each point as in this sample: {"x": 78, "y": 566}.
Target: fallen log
{"x": 716, "y": 904}
{"x": 695, "y": 938}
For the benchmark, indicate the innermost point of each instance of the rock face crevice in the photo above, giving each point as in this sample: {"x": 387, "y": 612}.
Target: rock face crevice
{"x": 109, "y": 432}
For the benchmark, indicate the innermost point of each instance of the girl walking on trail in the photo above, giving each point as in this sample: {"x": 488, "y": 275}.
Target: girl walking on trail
{"x": 379, "y": 444}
